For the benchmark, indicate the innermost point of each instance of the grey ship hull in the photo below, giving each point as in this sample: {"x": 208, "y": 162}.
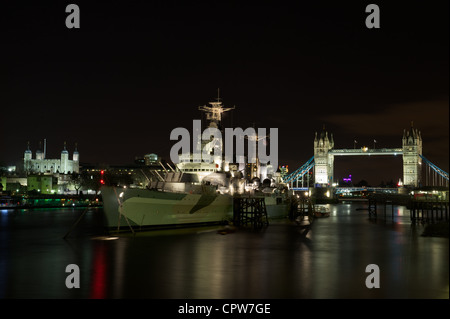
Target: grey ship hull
{"x": 143, "y": 208}
{"x": 151, "y": 208}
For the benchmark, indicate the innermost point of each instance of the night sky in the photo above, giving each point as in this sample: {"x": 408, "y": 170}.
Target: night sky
{"x": 136, "y": 70}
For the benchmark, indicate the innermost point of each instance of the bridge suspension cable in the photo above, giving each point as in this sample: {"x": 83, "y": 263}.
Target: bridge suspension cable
{"x": 297, "y": 174}
{"x": 441, "y": 172}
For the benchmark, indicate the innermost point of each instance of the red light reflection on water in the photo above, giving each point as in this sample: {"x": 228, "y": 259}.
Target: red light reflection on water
{"x": 98, "y": 282}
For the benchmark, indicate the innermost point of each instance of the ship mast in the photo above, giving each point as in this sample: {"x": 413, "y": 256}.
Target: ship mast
{"x": 214, "y": 115}
{"x": 255, "y": 165}
{"x": 214, "y": 112}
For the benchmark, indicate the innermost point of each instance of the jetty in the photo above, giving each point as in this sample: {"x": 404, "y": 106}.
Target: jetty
{"x": 429, "y": 211}
{"x": 250, "y": 211}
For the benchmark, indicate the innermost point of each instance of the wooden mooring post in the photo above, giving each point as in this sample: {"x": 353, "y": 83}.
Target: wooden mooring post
{"x": 304, "y": 209}
{"x": 250, "y": 211}
{"x": 372, "y": 207}
{"x": 374, "y": 201}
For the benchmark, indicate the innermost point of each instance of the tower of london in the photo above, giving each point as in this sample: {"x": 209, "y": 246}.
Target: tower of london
{"x": 41, "y": 164}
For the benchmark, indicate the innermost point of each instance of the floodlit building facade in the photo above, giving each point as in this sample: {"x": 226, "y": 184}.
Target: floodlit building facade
{"x": 41, "y": 164}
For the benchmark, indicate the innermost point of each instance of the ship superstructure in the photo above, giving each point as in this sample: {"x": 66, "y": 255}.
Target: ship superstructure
{"x": 195, "y": 191}
{"x": 192, "y": 162}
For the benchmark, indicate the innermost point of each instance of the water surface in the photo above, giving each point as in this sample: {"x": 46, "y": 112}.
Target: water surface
{"x": 276, "y": 262}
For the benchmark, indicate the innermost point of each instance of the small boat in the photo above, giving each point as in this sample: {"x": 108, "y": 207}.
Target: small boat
{"x": 8, "y": 201}
{"x": 321, "y": 211}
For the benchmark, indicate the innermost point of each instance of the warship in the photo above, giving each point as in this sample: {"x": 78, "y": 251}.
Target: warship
{"x": 194, "y": 192}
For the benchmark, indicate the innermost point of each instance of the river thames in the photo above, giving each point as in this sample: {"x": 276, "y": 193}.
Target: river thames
{"x": 199, "y": 263}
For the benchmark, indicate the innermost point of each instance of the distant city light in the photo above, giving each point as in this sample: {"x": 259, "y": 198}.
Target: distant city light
{"x": 348, "y": 179}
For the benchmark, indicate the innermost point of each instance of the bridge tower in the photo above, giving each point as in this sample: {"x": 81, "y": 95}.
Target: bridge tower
{"x": 324, "y": 160}
{"x": 412, "y": 162}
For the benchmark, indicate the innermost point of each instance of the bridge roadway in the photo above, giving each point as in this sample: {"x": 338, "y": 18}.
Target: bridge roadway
{"x": 341, "y": 190}
{"x": 367, "y": 151}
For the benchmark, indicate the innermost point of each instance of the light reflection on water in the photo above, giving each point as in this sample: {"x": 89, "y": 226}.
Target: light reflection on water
{"x": 277, "y": 262}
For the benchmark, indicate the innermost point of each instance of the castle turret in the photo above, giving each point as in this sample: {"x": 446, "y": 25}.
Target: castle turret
{"x": 76, "y": 160}
{"x": 27, "y": 156}
{"x": 64, "y": 160}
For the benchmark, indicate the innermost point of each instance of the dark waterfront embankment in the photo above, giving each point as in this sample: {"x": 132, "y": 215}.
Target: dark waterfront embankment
{"x": 48, "y": 201}
{"x": 275, "y": 262}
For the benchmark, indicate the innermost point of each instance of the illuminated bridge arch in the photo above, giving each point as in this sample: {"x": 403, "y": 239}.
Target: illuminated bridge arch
{"x": 324, "y": 153}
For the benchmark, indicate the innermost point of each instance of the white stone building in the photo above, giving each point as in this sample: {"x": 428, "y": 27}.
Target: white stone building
{"x": 41, "y": 164}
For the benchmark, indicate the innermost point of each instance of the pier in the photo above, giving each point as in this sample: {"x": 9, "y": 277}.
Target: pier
{"x": 429, "y": 211}
{"x": 305, "y": 208}
{"x": 376, "y": 201}
{"x": 250, "y": 211}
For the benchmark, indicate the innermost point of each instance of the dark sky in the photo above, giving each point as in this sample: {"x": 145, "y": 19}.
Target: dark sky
{"x": 135, "y": 70}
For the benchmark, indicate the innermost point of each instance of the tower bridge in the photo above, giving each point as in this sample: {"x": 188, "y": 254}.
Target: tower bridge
{"x": 367, "y": 151}
{"x": 324, "y": 152}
